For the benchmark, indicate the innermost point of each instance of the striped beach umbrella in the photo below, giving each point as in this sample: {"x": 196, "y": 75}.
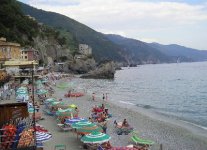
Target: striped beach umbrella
{"x": 95, "y": 137}
{"x": 88, "y": 130}
{"x": 74, "y": 120}
{"x": 82, "y": 124}
{"x": 43, "y": 136}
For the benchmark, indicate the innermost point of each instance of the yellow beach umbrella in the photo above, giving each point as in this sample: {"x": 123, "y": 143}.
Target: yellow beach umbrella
{"x": 72, "y": 106}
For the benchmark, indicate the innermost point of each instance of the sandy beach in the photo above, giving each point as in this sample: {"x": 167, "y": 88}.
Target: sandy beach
{"x": 172, "y": 136}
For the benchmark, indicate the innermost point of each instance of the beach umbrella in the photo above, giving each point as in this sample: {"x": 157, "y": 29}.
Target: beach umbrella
{"x": 57, "y": 103}
{"x": 62, "y": 85}
{"x": 82, "y": 124}
{"x": 88, "y": 130}
{"x": 74, "y": 120}
{"x": 43, "y": 136}
{"x": 21, "y": 92}
{"x": 22, "y": 88}
{"x": 64, "y": 112}
{"x": 50, "y": 100}
{"x": 38, "y": 82}
{"x": 31, "y": 110}
{"x": 41, "y": 91}
{"x": 72, "y": 106}
{"x": 95, "y": 137}
{"x": 44, "y": 80}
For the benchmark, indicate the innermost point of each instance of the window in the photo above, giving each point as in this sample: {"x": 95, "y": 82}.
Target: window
{"x": 25, "y": 57}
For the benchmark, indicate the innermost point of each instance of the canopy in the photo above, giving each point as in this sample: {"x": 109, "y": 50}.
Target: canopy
{"x": 88, "y": 130}
{"x": 21, "y": 92}
{"x": 74, "y": 120}
{"x": 50, "y": 100}
{"x": 57, "y": 103}
{"x": 96, "y": 137}
{"x": 64, "y": 112}
{"x": 41, "y": 91}
{"x": 82, "y": 124}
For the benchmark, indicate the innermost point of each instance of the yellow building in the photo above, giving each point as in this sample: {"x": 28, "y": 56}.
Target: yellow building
{"x": 9, "y": 50}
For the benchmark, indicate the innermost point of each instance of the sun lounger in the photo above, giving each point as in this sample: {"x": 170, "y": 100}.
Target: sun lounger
{"x": 60, "y": 147}
{"x": 139, "y": 140}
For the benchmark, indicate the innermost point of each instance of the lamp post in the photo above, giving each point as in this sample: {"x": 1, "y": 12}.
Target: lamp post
{"x": 34, "y": 121}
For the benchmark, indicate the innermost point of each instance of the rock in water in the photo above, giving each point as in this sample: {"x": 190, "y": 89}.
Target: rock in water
{"x": 103, "y": 71}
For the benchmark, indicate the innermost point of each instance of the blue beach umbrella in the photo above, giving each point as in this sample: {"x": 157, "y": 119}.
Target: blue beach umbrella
{"x": 74, "y": 120}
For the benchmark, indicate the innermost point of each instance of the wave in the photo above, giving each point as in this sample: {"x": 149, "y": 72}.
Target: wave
{"x": 125, "y": 102}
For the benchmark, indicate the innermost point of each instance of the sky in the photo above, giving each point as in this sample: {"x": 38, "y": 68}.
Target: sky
{"x": 182, "y": 22}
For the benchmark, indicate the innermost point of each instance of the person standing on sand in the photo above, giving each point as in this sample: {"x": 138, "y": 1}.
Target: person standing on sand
{"x": 93, "y": 96}
{"x": 103, "y": 97}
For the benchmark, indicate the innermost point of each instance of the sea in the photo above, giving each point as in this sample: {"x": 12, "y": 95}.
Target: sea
{"x": 176, "y": 90}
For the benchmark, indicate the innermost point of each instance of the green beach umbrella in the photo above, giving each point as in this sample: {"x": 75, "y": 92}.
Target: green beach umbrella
{"x": 21, "y": 92}
{"x": 82, "y": 124}
{"x": 64, "y": 112}
{"x": 50, "y": 100}
{"x": 63, "y": 85}
{"x": 31, "y": 110}
{"x": 41, "y": 91}
{"x": 95, "y": 137}
{"x": 88, "y": 130}
{"x": 44, "y": 80}
{"x": 57, "y": 103}
{"x": 38, "y": 82}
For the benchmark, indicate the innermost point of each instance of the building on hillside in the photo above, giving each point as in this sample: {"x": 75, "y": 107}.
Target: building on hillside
{"x": 20, "y": 69}
{"x": 84, "y": 49}
{"x": 29, "y": 54}
{"x": 9, "y": 51}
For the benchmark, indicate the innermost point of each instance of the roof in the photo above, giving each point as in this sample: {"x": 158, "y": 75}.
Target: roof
{"x": 20, "y": 63}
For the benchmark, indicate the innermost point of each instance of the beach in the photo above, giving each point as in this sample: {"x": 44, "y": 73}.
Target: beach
{"x": 172, "y": 135}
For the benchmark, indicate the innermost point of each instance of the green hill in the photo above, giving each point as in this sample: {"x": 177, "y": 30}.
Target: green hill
{"x": 102, "y": 47}
{"x": 14, "y": 25}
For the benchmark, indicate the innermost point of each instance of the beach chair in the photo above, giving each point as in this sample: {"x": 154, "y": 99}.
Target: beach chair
{"x": 137, "y": 140}
{"x": 60, "y": 147}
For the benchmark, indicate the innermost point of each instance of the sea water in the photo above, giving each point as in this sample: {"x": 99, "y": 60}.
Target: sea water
{"x": 178, "y": 90}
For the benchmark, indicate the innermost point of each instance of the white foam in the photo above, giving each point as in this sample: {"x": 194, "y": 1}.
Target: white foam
{"x": 124, "y": 102}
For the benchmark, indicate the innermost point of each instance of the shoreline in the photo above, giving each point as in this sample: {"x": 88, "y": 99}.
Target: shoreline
{"x": 172, "y": 135}
{"x": 192, "y": 127}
